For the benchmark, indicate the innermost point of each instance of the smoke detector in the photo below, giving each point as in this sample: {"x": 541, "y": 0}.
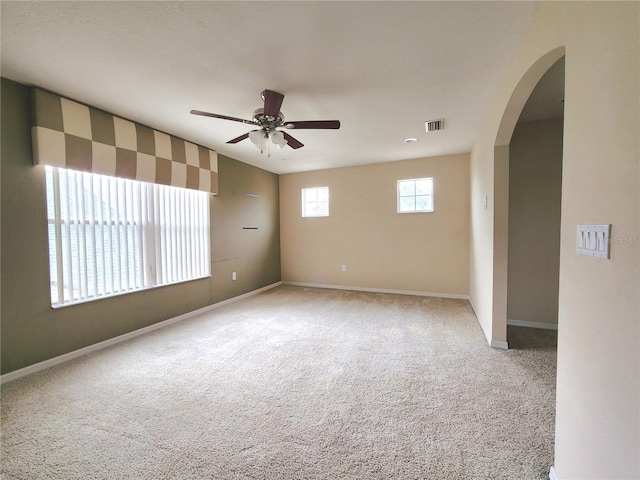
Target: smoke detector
{"x": 434, "y": 125}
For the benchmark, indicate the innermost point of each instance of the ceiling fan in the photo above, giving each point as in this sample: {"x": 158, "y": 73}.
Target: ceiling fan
{"x": 268, "y": 119}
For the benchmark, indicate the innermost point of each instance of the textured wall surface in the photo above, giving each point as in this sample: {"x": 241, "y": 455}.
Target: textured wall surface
{"x": 33, "y": 332}
{"x": 535, "y": 190}
{"x": 382, "y": 249}
{"x": 598, "y": 393}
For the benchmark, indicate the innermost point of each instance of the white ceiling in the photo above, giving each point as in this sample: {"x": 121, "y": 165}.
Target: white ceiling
{"x": 381, "y": 68}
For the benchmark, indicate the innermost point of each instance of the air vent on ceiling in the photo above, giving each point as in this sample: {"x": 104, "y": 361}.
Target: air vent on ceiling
{"x": 434, "y": 125}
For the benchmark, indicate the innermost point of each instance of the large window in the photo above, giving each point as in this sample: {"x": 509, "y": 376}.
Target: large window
{"x": 315, "y": 202}
{"x": 415, "y": 195}
{"x": 109, "y": 236}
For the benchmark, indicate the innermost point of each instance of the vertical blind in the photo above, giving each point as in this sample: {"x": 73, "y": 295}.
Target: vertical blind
{"x": 109, "y": 236}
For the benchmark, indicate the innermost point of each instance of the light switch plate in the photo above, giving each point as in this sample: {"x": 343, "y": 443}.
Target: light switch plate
{"x": 594, "y": 240}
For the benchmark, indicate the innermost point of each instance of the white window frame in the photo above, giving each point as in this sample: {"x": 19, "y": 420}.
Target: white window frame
{"x": 415, "y": 195}
{"x": 111, "y": 236}
{"x": 311, "y": 205}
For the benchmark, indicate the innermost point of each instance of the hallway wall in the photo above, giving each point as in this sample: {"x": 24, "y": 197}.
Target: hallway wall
{"x": 535, "y": 191}
{"x": 598, "y": 392}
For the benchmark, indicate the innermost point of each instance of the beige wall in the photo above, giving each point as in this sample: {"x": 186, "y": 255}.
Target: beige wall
{"x": 421, "y": 252}
{"x": 598, "y": 389}
{"x": 535, "y": 187}
{"x": 33, "y": 332}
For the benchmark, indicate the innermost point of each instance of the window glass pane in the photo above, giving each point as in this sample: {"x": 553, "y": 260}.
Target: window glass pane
{"x": 415, "y": 195}
{"x": 429, "y": 203}
{"x": 106, "y": 235}
{"x": 407, "y": 187}
{"x": 423, "y": 202}
{"x": 424, "y": 186}
{"x": 312, "y": 209}
{"x": 311, "y": 195}
{"x": 407, "y": 204}
{"x": 323, "y": 208}
{"x": 315, "y": 202}
{"x": 323, "y": 194}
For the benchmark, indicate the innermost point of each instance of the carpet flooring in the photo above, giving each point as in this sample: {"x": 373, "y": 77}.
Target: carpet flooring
{"x": 293, "y": 383}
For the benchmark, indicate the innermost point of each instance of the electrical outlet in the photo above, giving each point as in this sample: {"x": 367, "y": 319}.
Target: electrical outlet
{"x": 344, "y": 268}
{"x": 233, "y": 276}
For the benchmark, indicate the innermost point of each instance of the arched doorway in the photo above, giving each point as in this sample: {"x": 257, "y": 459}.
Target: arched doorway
{"x": 510, "y": 118}
{"x": 535, "y": 192}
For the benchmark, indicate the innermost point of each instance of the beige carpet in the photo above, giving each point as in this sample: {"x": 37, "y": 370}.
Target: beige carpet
{"x": 294, "y": 383}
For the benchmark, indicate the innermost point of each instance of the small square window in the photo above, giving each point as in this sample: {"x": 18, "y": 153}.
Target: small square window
{"x": 315, "y": 202}
{"x": 415, "y": 195}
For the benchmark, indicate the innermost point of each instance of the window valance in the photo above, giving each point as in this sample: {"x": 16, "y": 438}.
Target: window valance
{"x": 70, "y": 135}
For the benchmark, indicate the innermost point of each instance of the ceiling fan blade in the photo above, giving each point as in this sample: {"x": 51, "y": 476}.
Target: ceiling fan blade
{"x": 272, "y": 103}
{"x": 323, "y": 124}
{"x": 240, "y": 138}
{"x": 292, "y": 142}
{"x": 223, "y": 117}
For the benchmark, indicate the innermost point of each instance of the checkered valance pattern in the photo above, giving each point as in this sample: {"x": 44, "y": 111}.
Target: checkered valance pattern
{"x": 71, "y": 135}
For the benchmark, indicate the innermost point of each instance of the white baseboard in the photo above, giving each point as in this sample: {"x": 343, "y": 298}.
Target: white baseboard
{"x": 36, "y": 367}
{"x": 241, "y": 297}
{"x": 378, "y": 290}
{"x": 499, "y": 345}
{"x": 524, "y": 323}
{"x": 553, "y": 474}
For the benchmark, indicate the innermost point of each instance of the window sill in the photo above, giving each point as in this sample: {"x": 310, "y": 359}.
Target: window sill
{"x": 119, "y": 294}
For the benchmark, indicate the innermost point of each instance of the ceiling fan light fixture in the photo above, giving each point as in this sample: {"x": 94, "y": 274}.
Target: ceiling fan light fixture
{"x": 277, "y": 138}
{"x": 256, "y": 138}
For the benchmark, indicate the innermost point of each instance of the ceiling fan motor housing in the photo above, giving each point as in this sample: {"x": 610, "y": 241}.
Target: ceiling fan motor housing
{"x": 267, "y": 122}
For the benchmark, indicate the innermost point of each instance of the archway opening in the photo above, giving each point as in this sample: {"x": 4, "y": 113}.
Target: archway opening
{"x": 509, "y": 121}
{"x": 535, "y": 191}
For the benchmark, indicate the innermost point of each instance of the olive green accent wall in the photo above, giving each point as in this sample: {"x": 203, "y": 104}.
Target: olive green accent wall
{"x": 535, "y": 191}
{"x": 31, "y": 331}
{"x": 246, "y": 233}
